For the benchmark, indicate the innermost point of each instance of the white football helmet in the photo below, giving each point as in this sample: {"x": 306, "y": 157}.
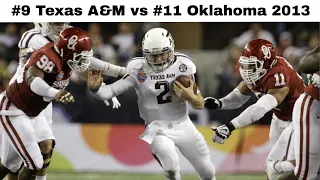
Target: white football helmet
{"x": 51, "y": 29}
{"x": 158, "y": 41}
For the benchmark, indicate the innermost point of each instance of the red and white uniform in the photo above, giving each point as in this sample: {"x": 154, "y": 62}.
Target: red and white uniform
{"x": 280, "y": 75}
{"x": 30, "y": 39}
{"x": 33, "y": 39}
{"x": 57, "y": 75}
{"x": 306, "y": 123}
{"x": 21, "y": 119}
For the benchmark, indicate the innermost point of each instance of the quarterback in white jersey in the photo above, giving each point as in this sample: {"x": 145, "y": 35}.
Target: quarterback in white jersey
{"x": 165, "y": 113}
{"x": 42, "y": 34}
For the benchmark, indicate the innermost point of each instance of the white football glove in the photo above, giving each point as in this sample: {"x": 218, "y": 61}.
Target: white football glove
{"x": 222, "y": 132}
{"x": 115, "y": 101}
{"x": 315, "y": 80}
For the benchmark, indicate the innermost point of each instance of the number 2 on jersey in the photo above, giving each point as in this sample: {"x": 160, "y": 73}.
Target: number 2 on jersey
{"x": 45, "y": 64}
{"x": 161, "y": 99}
{"x": 280, "y": 81}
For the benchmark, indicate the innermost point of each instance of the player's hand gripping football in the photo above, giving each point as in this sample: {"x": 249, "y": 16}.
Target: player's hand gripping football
{"x": 185, "y": 93}
{"x": 64, "y": 97}
{"x": 222, "y": 132}
{"x": 94, "y": 80}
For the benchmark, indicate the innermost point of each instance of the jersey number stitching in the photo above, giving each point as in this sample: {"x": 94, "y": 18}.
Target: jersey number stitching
{"x": 45, "y": 64}
{"x": 160, "y": 97}
{"x": 278, "y": 77}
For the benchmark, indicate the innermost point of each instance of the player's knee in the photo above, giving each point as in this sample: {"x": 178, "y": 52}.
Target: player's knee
{"x": 269, "y": 163}
{"x": 46, "y": 146}
{"x": 38, "y": 163}
{"x": 28, "y": 172}
{"x": 165, "y": 151}
{"x": 3, "y": 169}
{"x": 15, "y": 168}
{"x": 287, "y": 176}
{"x": 209, "y": 173}
{"x": 11, "y": 165}
{"x": 170, "y": 163}
{"x": 270, "y": 170}
{"x": 172, "y": 174}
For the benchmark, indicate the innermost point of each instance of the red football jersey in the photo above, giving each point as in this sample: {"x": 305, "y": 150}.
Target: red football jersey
{"x": 56, "y": 74}
{"x": 280, "y": 75}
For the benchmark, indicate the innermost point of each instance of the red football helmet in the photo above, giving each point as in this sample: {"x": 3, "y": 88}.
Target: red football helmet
{"x": 258, "y": 56}
{"x": 74, "y": 47}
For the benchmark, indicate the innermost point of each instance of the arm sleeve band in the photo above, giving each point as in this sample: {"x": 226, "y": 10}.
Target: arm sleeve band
{"x": 107, "y": 68}
{"x": 40, "y": 87}
{"x": 256, "y": 111}
{"x": 108, "y": 91}
{"x": 233, "y": 100}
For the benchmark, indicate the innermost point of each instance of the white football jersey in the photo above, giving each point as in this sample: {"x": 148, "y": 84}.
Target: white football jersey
{"x": 33, "y": 38}
{"x": 156, "y": 98}
{"x": 30, "y": 39}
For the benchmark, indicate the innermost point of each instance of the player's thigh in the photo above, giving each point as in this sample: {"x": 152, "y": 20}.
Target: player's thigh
{"x": 296, "y": 119}
{"x": 9, "y": 157}
{"x": 196, "y": 150}
{"x": 42, "y": 128}
{"x": 308, "y": 169}
{"x": 307, "y": 146}
{"x": 21, "y": 135}
{"x": 188, "y": 138}
{"x": 274, "y": 133}
{"x": 163, "y": 148}
{"x": 314, "y": 127}
{"x": 47, "y": 112}
{"x": 284, "y": 147}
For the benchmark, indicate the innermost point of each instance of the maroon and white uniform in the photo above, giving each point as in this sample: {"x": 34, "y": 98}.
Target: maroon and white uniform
{"x": 278, "y": 86}
{"x": 306, "y": 123}
{"x": 21, "y": 117}
{"x": 30, "y": 40}
{"x": 280, "y": 75}
{"x": 57, "y": 75}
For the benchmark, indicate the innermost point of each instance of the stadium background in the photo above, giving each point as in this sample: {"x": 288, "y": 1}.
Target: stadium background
{"x": 104, "y": 142}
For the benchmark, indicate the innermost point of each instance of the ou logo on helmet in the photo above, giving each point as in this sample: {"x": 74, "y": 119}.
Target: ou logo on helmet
{"x": 72, "y": 42}
{"x": 266, "y": 52}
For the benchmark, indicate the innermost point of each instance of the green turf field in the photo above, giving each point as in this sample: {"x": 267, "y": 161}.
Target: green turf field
{"x": 115, "y": 176}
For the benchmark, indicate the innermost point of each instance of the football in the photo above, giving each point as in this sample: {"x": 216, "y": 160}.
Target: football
{"x": 184, "y": 80}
